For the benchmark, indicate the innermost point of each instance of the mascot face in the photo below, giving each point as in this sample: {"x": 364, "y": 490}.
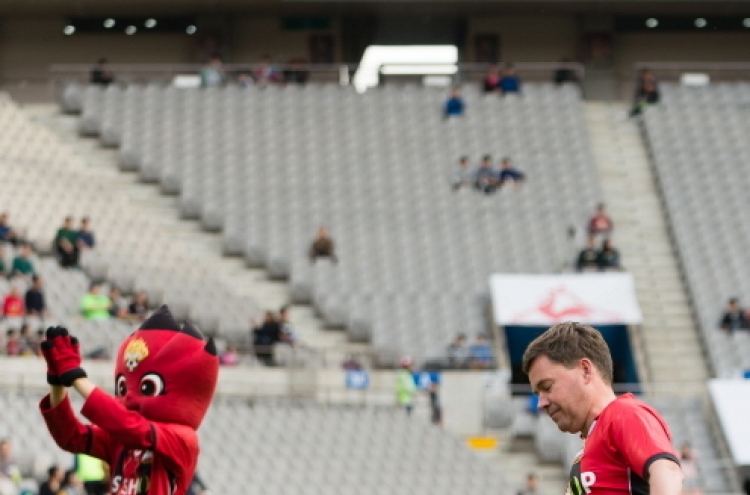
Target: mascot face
{"x": 166, "y": 373}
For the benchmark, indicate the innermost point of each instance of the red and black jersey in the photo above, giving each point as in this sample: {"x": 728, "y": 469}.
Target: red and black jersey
{"x": 622, "y": 443}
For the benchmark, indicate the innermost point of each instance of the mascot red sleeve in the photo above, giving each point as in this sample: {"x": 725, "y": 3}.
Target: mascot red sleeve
{"x": 165, "y": 377}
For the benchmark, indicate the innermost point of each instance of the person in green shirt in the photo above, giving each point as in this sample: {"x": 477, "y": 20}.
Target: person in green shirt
{"x": 22, "y": 265}
{"x": 95, "y": 306}
{"x": 406, "y": 388}
{"x": 66, "y": 244}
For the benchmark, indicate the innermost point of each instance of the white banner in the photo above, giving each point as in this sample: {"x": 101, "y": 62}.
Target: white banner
{"x": 731, "y": 401}
{"x": 543, "y": 300}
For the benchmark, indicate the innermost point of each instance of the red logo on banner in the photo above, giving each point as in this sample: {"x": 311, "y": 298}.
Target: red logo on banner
{"x": 561, "y": 304}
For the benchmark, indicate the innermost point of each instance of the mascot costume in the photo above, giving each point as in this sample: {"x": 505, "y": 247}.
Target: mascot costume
{"x": 165, "y": 377}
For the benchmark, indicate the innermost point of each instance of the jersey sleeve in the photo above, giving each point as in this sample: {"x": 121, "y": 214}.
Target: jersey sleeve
{"x": 73, "y": 436}
{"x": 642, "y": 437}
{"x": 177, "y": 445}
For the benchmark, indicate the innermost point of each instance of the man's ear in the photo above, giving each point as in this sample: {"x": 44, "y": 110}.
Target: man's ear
{"x": 587, "y": 369}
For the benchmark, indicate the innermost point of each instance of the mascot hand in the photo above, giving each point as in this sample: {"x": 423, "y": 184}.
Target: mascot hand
{"x": 61, "y": 350}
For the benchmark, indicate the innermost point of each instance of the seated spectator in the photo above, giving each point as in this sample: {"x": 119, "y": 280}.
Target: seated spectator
{"x": 735, "y": 317}
{"x": 26, "y": 341}
{"x": 609, "y": 257}
{"x": 85, "y": 236}
{"x": 34, "y": 298}
{"x": 117, "y": 309}
{"x": 485, "y": 178}
{"x": 66, "y": 244}
{"x": 265, "y": 335}
{"x": 458, "y": 353}
{"x": 510, "y": 174}
{"x": 95, "y": 306}
{"x": 322, "y": 247}
{"x": 588, "y": 258}
{"x": 13, "y": 304}
{"x": 492, "y": 80}
{"x": 531, "y": 487}
{"x": 53, "y": 483}
{"x": 296, "y": 73}
{"x": 464, "y": 175}
{"x": 480, "y": 354}
{"x": 213, "y": 73}
{"x": 41, "y": 336}
{"x": 73, "y": 485}
{"x": 351, "y": 363}
{"x": 600, "y": 223}
{"x": 244, "y": 80}
{"x": 7, "y": 234}
{"x": 646, "y": 93}
{"x": 229, "y": 357}
{"x": 22, "y": 265}
{"x": 10, "y": 473}
{"x": 564, "y": 74}
{"x": 454, "y": 105}
{"x": 288, "y": 333}
{"x": 509, "y": 83}
{"x": 101, "y": 74}
{"x": 12, "y": 343}
{"x": 138, "y": 309}
{"x": 266, "y": 73}
{"x": 3, "y": 268}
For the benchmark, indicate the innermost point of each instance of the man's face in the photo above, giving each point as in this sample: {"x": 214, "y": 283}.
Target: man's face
{"x": 562, "y": 393}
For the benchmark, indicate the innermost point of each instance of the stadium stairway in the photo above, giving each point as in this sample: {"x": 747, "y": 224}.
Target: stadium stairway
{"x": 670, "y": 348}
{"x": 147, "y": 198}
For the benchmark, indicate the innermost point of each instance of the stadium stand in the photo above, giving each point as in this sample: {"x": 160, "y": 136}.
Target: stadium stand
{"x": 698, "y": 142}
{"x": 414, "y": 258}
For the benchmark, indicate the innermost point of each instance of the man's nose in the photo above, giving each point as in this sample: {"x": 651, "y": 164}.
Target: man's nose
{"x": 543, "y": 402}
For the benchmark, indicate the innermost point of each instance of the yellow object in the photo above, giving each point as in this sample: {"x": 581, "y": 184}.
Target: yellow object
{"x": 482, "y": 443}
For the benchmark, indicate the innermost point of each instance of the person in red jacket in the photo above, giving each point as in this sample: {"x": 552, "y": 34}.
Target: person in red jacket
{"x": 165, "y": 377}
{"x": 13, "y": 306}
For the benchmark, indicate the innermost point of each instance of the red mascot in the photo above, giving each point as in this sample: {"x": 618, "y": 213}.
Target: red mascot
{"x": 165, "y": 377}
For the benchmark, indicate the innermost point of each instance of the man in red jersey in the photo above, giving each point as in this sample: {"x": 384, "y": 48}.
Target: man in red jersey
{"x": 627, "y": 445}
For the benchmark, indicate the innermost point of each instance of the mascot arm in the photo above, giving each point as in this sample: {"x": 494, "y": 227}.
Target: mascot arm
{"x": 73, "y": 436}
{"x": 127, "y": 427}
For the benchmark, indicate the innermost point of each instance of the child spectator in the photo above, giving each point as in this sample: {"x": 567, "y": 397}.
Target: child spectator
{"x": 464, "y": 175}
{"x": 12, "y": 345}
{"x": 454, "y": 105}
{"x": 266, "y": 73}
{"x": 510, "y": 174}
{"x": 13, "y": 304}
{"x": 229, "y": 357}
{"x": 213, "y": 74}
{"x": 26, "y": 341}
{"x": 492, "y": 80}
{"x": 510, "y": 82}
{"x": 22, "y": 265}
{"x": 85, "y": 236}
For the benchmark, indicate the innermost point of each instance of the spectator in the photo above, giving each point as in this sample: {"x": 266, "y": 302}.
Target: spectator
{"x": 117, "y": 309}
{"x": 609, "y": 257}
{"x": 436, "y": 410}
{"x": 265, "y": 336}
{"x": 138, "y": 309}
{"x": 101, "y": 74}
{"x": 322, "y": 246}
{"x": 3, "y": 268}
{"x": 229, "y": 357}
{"x": 492, "y": 80}
{"x": 66, "y": 244}
{"x": 26, "y": 341}
{"x": 480, "y": 354}
{"x": 509, "y": 82}
{"x": 508, "y": 173}
{"x": 40, "y": 337}
{"x": 72, "y": 485}
{"x": 85, "y": 235}
{"x": 52, "y": 485}
{"x": 22, "y": 265}
{"x": 688, "y": 462}
{"x": 91, "y": 476}
{"x": 351, "y": 363}
{"x": 266, "y": 73}
{"x": 486, "y": 176}
{"x": 406, "y": 388}
{"x": 564, "y": 74}
{"x": 646, "y": 93}
{"x": 464, "y": 175}
{"x": 588, "y": 258}
{"x": 13, "y": 304}
{"x": 296, "y": 73}
{"x": 244, "y": 80}
{"x": 288, "y": 333}
{"x": 735, "y": 317}
{"x": 213, "y": 73}
{"x": 95, "y": 306}
{"x": 531, "y": 486}
{"x": 458, "y": 353}
{"x": 7, "y": 233}
{"x": 34, "y": 298}
{"x": 10, "y": 474}
{"x": 12, "y": 344}
{"x": 600, "y": 223}
{"x": 454, "y": 105}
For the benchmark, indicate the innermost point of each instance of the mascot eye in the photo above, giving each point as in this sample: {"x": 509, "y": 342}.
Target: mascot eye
{"x": 121, "y": 386}
{"x": 152, "y": 385}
